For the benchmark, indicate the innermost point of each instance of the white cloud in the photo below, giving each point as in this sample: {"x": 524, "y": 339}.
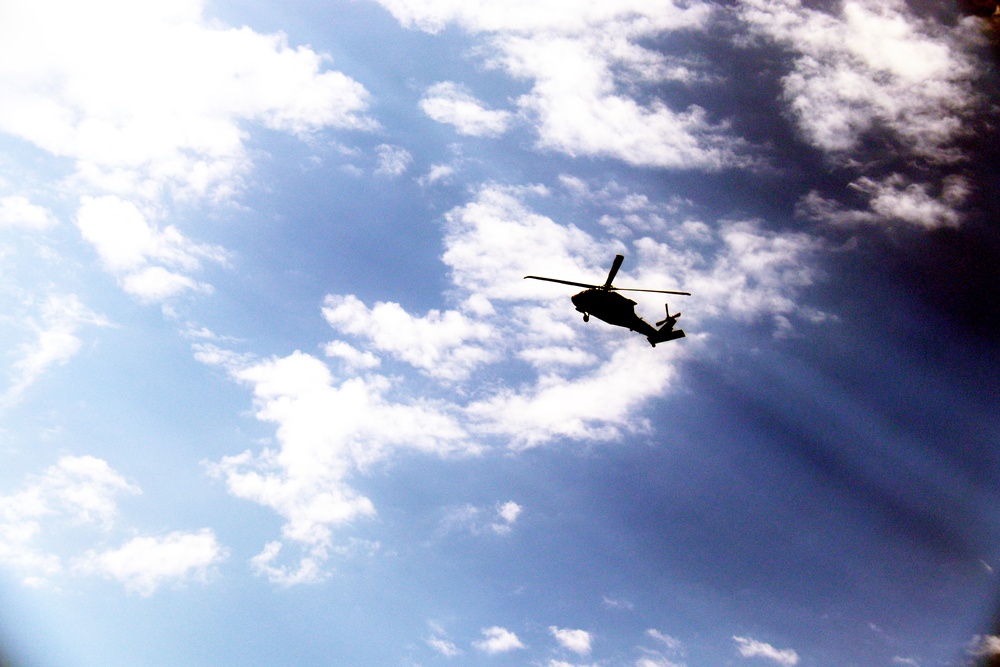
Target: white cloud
{"x": 155, "y": 283}
{"x": 672, "y": 643}
{"x": 392, "y": 160}
{"x": 470, "y": 518}
{"x": 871, "y": 66}
{"x": 656, "y": 661}
{"x": 577, "y": 641}
{"x": 143, "y": 564}
{"x": 55, "y": 343}
{"x": 447, "y": 345}
{"x": 78, "y": 490}
{"x": 555, "y": 356}
{"x": 599, "y": 405}
{"x": 125, "y": 240}
{"x": 581, "y": 58}
{"x": 507, "y": 515}
{"x": 17, "y": 211}
{"x": 498, "y": 640}
{"x": 751, "y": 648}
{"x": 616, "y": 603}
{"x": 893, "y": 199}
{"x": 444, "y": 647}
{"x": 127, "y": 243}
{"x": 438, "y": 172}
{"x": 328, "y": 430}
{"x": 451, "y": 103}
{"x": 350, "y": 355}
{"x": 985, "y": 645}
{"x": 152, "y": 96}
{"x": 652, "y": 658}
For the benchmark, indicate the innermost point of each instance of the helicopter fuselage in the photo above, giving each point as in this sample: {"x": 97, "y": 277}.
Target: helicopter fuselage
{"x": 605, "y": 303}
{"x": 613, "y": 308}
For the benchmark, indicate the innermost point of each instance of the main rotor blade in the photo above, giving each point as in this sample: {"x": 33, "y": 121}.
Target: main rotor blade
{"x": 658, "y": 291}
{"x": 564, "y": 282}
{"x": 614, "y": 270}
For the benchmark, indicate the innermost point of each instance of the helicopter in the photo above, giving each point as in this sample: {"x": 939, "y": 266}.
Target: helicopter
{"x": 605, "y": 303}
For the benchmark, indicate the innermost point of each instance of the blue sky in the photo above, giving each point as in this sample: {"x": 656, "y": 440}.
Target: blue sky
{"x": 275, "y": 391}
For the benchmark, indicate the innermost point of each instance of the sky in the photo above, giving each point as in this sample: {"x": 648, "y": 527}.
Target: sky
{"x": 275, "y": 392}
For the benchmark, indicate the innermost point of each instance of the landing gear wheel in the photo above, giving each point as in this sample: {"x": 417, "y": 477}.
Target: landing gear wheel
{"x": 586, "y": 317}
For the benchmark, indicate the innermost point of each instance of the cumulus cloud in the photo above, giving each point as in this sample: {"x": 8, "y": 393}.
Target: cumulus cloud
{"x": 498, "y": 640}
{"x": 438, "y": 172}
{"x": 582, "y": 382}
{"x": 873, "y": 72}
{"x": 327, "y": 430}
{"x": 870, "y": 66}
{"x": 893, "y": 199}
{"x": 577, "y": 641}
{"x": 18, "y": 212}
{"x": 596, "y": 406}
{"x": 149, "y": 104}
{"x": 152, "y": 96}
{"x": 135, "y": 250}
{"x": 55, "y": 342}
{"x": 507, "y": 515}
{"x": 751, "y": 648}
{"x": 81, "y": 492}
{"x": 77, "y": 490}
{"x": 583, "y": 59}
{"x": 451, "y": 103}
{"x": 448, "y": 345}
{"x": 143, "y": 564}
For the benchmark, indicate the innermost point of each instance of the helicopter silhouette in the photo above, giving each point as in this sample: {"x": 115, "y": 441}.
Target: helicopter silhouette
{"x": 605, "y": 303}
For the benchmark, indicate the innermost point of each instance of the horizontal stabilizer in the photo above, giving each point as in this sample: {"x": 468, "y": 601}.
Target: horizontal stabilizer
{"x": 663, "y": 336}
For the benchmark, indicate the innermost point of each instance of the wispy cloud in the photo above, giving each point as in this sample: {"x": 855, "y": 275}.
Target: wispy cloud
{"x": 444, "y": 647}
{"x": 55, "y": 342}
{"x": 449, "y": 102}
{"x": 751, "y": 648}
{"x": 477, "y": 520}
{"x": 392, "y": 160}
